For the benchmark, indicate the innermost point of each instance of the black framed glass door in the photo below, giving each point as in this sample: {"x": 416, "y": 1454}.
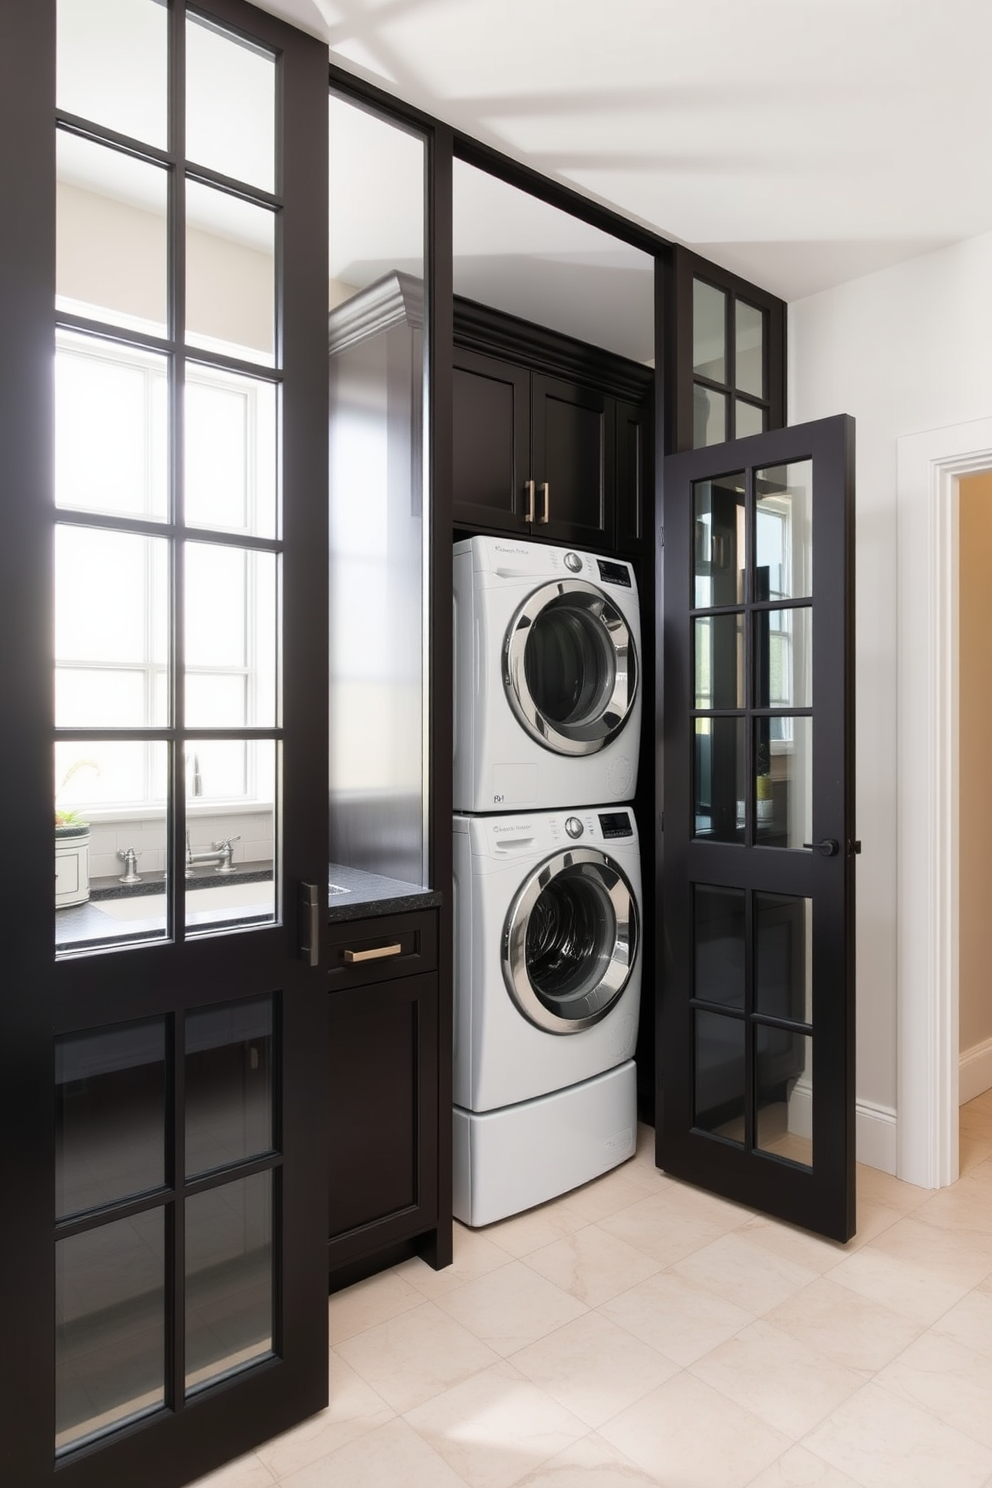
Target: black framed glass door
{"x": 756, "y": 1035}
{"x": 166, "y": 553}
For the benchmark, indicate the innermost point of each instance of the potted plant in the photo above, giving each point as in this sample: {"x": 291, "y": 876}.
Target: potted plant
{"x": 72, "y": 850}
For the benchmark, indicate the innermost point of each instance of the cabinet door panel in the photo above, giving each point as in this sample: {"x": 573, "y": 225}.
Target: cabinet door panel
{"x": 572, "y": 442}
{"x": 382, "y": 1055}
{"x": 491, "y": 441}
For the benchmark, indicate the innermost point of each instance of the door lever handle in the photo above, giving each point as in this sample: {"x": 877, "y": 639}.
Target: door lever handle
{"x": 829, "y": 847}
{"x": 309, "y": 924}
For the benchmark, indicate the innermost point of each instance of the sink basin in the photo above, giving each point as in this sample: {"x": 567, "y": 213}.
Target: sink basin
{"x": 225, "y": 902}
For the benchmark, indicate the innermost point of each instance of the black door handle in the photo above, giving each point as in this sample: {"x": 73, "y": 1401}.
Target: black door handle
{"x": 829, "y": 847}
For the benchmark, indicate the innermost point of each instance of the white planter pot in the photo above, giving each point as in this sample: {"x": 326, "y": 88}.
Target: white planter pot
{"x": 72, "y": 865}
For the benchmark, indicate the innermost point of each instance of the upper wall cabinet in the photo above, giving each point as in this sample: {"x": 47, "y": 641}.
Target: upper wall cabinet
{"x": 551, "y": 435}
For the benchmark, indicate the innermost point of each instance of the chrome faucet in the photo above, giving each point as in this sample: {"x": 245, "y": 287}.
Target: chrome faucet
{"x": 221, "y": 854}
{"x": 130, "y": 860}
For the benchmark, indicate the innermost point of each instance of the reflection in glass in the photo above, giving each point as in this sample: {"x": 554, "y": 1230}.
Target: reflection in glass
{"x": 709, "y": 416}
{"x": 229, "y": 428}
{"x": 230, "y": 596}
{"x": 718, "y": 1070}
{"x": 783, "y": 956}
{"x": 230, "y": 275}
{"x": 718, "y": 945}
{"x": 719, "y": 779}
{"x": 111, "y": 628}
{"x": 749, "y": 351}
{"x": 230, "y": 812}
{"x": 111, "y": 427}
{"x": 784, "y": 531}
{"x": 783, "y": 659}
{"x": 228, "y": 1084}
{"x": 109, "y": 1327}
{"x": 229, "y": 1279}
{"x": 709, "y": 332}
{"x": 748, "y": 419}
{"x": 784, "y": 1094}
{"x": 230, "y": 104}
{"x": 719, "y": 661}
{"x": 720, "y": 544}
{"x": 111, "y": 243}
{"x": 126, "y": 783}
{"x": 378, "y": 447}
{"x": 109, "y": 1115}
{"x": 783, "y": 788}
{"x": 112, "y": 65}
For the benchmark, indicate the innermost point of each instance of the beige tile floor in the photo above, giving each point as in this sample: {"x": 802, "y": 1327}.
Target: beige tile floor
{"x": 638, "y": 1332}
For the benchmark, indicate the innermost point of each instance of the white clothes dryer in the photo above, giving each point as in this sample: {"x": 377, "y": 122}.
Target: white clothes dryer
{"x": 547, "y": 677}
{"x": 547, "y": 994}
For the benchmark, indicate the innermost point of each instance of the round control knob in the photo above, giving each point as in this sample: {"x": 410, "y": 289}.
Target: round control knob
{"x": 573, "y": 826}
{"x": 573, "y": 562}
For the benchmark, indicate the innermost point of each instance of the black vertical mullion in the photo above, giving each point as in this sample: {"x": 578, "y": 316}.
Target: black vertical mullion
{"x": 177, "y": 325}
{"x": 748, "y": 597}
{"x": 730, "y": 352}
{"x": 750, "y": 1028}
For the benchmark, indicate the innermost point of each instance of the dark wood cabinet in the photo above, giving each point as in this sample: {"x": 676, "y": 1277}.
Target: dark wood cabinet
{"x": 383, "y": 1078}
{"x": 550, "y": 435}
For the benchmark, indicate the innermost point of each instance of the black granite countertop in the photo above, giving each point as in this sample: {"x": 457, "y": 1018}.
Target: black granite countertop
{"x": 354, "y": 894}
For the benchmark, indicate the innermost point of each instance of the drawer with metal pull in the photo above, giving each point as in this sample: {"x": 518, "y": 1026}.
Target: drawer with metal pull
{"x": 376, "y": 950}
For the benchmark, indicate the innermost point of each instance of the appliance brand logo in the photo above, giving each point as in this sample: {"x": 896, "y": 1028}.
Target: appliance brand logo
{"x": 499, "y": 548}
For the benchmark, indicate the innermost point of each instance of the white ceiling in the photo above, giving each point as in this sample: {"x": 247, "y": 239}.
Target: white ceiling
{"x": 798, "y": 142}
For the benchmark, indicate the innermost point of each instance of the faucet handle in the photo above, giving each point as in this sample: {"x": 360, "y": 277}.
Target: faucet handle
{"x": 228, "y": 842}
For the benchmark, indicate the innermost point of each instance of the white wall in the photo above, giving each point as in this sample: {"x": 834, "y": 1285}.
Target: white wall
{"x": 903, "y": 350}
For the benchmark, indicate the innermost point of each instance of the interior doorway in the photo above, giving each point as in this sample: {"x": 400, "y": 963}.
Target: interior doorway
{"x": 934, "y": 468}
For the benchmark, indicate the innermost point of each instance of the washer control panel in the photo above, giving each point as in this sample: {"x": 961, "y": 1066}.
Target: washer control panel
{"x": 614, "y": 824}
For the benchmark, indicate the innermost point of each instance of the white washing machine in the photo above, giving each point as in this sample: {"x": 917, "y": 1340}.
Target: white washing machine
{"x": 546, "y": 1000}
{"x": 547, "y": 676}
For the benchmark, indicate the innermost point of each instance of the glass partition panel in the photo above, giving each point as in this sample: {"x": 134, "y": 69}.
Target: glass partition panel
{"x": 110, "y": 1344}
{"x": 109, "y": 1115}
{"x": 720, "y": 541}
{"x": 231, "y": 451}
{"x": 784, "y": 531}
{"x": 784, "y": 1094}
{"x": 111, "y": 842}
{"x": 719, "y": 661}
{"x": 113, "y": 65}
{"x": 231, "y": 841}
{"x": 230, "y": 104}
{"x": 231, "y": 633}
{"x": 748, "y": 419}
{"x": 719, "y": 779}
{"x": 718, "y": 1075}
{"x": 709, "y": 332}
{"x": 112, "y": 236}
{"x": 230, "y": 275}
{"x": 783, "y": 658}
{"x": 783, "y": 784}
{"x": 749, "y": 350}
{"x": 228, "y": 1085}
{"x": 111, "y": 629}
{"x": 709, "y": 416}
{"x": 230, "y": 1292}
{"x": 111, "y": 427}
{"x": 719, "y": 922}
{"x": 783, "y": 949}
{"x": 378, "y": 637}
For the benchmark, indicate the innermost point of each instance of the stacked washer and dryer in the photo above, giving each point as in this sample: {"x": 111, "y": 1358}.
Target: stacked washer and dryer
{"x": 547, "y": 875}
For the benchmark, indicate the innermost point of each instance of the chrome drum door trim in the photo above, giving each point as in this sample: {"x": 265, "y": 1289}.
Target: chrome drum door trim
{"x": 593, "y": 726}
{"x": 587, "y": 997}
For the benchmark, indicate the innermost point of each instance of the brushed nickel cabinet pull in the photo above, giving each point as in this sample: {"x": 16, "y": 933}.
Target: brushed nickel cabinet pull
{"x": 546, "y": 500}
{"x": 529, "y": 513}
{"x": 377, "y": 953}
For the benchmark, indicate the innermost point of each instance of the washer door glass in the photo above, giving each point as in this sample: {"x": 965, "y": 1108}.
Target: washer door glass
{"x": 570, "y": 668}
{"x": 570, "y": 941}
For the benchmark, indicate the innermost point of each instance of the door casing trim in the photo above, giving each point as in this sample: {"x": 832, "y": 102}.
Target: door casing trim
{"x": 930, "y": 467}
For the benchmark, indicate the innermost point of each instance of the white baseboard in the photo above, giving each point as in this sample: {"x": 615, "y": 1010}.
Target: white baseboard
{"x": 975, "y": 1071}
{"x": 875, "y": 1136}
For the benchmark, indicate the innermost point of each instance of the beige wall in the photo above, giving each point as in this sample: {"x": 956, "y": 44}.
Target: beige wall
{"x": 975, "y": 761}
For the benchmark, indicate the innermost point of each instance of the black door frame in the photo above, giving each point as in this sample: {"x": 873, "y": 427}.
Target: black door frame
{"x": 43, "y": 999}
{"x": 822, "y": 1198}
